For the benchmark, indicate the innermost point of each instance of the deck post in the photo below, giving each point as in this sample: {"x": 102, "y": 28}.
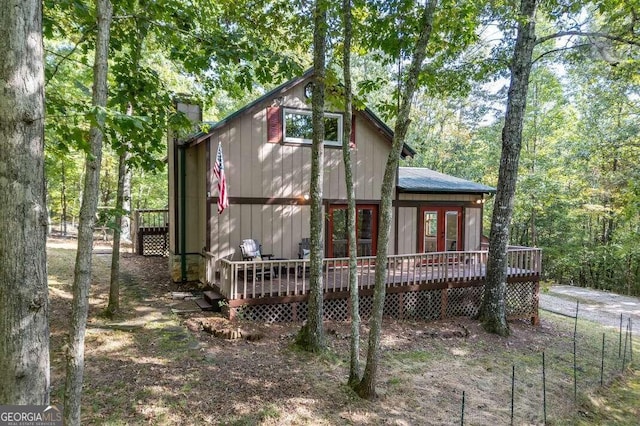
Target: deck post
{"x": 139, "y": 242}
{"x": 135, "y": 227}
{"x": 231, "y": 313}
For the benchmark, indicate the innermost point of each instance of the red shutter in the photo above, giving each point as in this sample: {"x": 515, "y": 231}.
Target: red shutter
{"x": 274, "y": 124}
{"x": 352, "y": 142}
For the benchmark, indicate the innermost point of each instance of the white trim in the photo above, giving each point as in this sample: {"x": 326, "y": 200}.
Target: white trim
{"x": 289, "y": 139}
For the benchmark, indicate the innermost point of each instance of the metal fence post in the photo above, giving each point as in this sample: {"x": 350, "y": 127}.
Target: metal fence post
{"x": 513, "y": 386}
{"x": 575, "y": 370}
{"x": 602, "y": 363}
{"x": 462, "y": 416}
{"x": 544, "y": 390}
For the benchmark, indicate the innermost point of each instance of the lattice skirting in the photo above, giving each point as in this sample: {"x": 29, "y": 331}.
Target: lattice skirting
{"x": 521, "y": 302}
{"x": 154, "y": 244}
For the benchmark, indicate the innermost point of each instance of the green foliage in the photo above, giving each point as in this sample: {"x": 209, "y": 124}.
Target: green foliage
{"x": 387, "y": 30}
{"x": 578, "y": 190}
{"x": 157, "y": 49}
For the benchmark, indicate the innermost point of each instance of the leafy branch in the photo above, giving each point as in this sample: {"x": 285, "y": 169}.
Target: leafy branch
{"x": 587, "y": 34}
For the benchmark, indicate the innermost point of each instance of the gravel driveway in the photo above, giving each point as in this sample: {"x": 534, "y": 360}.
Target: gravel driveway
{"x": 595, "y": 305}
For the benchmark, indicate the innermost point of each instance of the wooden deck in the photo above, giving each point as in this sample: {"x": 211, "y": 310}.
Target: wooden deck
{"x": 150, "y": 232}
{"x": 423, "y": 286}
{"x": 285, "y": 278}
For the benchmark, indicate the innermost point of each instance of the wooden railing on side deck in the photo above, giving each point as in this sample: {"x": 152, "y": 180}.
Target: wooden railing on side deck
{"x": 522, "y": 261}
{"x": 279, "y": 278}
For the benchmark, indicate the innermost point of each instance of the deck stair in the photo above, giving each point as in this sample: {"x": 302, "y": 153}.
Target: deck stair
{"x": 204, "y": 305}
{"x": 211, "y": 301}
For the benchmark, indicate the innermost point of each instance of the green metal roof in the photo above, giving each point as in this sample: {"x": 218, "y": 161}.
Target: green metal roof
{"x": 419, "y": 179}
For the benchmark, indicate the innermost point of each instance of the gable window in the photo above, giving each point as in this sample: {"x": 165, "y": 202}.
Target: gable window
{"x": 297, "y": 127}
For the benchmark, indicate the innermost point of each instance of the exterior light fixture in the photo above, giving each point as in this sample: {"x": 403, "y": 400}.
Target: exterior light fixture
{"x": 308, "y": 90}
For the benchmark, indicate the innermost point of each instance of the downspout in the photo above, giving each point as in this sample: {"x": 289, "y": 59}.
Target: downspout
{"x": 183, "y": 216}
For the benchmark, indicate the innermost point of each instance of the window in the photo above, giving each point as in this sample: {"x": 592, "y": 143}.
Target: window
{"x": 298, "y": 128}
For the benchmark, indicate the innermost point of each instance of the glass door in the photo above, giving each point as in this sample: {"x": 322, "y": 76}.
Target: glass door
{"x": 366, "y": 230}
{"x": 452, "y": 227}
{"x": 430, "y": 234}
{"x": 338, "y": 233}
{"x": 440, "y": 229}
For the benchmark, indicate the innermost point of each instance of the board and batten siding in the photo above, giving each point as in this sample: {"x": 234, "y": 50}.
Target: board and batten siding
{"x": 194, "y": 113}
{"x": 277, "y": 227}
{"x": 408, "y": 221}
{"x": 195, "y": 198}
{"x": 369, "y": 160}
{"x": 472, "y": 228}
{"x": 407, "y": 230}
{"x": 258, "y": 169}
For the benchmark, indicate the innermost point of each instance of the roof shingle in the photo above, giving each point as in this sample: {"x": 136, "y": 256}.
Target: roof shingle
{"x": 419, "y": 179}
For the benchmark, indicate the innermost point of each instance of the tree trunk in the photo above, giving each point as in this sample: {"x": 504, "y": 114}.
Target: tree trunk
{"x": 493, "y": 312}
{"x": 142, "y": 27}
{"x": 64, "y": 200}
{"x": 24, "y": 305}
{"x": 311, "y": 336}
{"x": 366, "y": 387}
{"x": 533, "y": 152}
{"x": 91, "y": 192}
{"x": 354, "y": 367}
{"x": 125, "y": 227}
{"x": 114, "y": 285}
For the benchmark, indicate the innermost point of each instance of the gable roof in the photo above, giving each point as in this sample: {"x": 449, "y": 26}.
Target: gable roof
{"x": 366, "y": 113}
{"x": 419, "y": 179}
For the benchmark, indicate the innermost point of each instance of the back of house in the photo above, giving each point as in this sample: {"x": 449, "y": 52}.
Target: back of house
{"x": 266, "y": 158}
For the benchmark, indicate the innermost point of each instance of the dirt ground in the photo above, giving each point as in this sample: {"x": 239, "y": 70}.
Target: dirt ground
{"x": 151, "y": 366}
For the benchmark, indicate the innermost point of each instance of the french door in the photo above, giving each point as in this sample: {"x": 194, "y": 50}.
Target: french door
{"x": 440, "y": 229}
{"x": 366, "y": 230}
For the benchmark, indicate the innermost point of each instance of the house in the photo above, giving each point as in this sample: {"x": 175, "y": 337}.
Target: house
{"x": 437, "y": 224}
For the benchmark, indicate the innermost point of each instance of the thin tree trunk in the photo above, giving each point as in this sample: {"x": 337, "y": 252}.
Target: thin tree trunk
{"x": 125, "y": 234}
{"x": 354, "y": 366}
{"x": 114, "y": 285}
{"x": 64, "y": 201}
{"x": 311, "y": 336}
{"x": 366, "y": 387}
{"x": 533, "y": 152}
{"x": 493, "y": 312}
{"x": 105, "y": 191}
{"x": 24, "y": 305}
{"x": 82, "y": 275}
{"x": 142, "y": 29}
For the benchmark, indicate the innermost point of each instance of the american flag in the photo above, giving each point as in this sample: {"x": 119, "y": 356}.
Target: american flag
{"x": 218, "y": 170}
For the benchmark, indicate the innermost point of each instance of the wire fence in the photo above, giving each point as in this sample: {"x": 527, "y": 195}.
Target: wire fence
{"x": 582, "y": 364}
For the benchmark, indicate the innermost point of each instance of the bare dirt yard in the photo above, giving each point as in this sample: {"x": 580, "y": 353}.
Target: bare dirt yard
{"x": 151, "y": 366}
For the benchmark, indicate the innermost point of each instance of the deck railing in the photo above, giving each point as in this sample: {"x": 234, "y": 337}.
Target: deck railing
{"x": 150, "y": 232}
{"x": 280, "y": 278}
{"x": 151, "y": 218}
